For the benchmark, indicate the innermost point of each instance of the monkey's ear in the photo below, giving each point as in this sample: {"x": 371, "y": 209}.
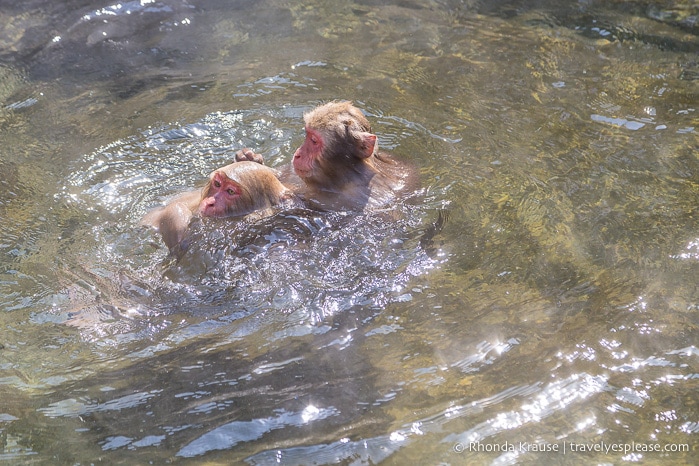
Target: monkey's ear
{"x": 367, "y": 144}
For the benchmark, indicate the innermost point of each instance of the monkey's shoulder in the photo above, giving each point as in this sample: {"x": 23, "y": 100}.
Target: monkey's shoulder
{"x": 396, "y": 174}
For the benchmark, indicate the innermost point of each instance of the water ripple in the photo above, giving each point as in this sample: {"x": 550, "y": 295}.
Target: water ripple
{"x": 233, "y": 433}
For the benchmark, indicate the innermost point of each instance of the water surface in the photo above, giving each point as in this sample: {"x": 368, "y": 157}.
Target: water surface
{"x": 557, "y": 310}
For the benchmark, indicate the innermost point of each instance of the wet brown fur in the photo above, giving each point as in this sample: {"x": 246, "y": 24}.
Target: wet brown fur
{"x": 259, "y": 191}
{"x": 343, "y": 176}
{"x": 259, "y": 187}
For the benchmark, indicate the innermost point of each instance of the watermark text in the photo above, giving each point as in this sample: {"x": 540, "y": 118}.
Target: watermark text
{"x": 575, "y": 447}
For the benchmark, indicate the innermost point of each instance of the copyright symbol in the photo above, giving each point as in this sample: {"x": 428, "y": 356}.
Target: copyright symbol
{"x": 459, "y": 447}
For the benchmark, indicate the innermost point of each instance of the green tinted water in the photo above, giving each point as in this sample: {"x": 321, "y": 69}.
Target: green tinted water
{"x": 557, "y": 307}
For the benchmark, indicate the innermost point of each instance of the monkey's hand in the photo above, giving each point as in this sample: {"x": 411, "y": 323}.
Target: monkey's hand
{"x": 248, "y": 155}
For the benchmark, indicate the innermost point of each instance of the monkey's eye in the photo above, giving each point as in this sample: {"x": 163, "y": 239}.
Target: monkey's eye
{"x": 217, "y": 184}
{"x": 314, "y": 140}
{"x": 230, "y": 191}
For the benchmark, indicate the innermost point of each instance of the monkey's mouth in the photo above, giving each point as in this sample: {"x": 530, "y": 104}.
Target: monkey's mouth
{"x": 211, "y": 211}
{"x": 302, "y": 167}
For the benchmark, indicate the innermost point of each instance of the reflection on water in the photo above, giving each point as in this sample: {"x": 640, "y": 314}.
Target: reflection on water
{"x": 556, "y": 308}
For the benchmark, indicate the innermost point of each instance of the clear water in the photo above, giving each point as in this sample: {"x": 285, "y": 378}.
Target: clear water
{"x": 558, "y": 308}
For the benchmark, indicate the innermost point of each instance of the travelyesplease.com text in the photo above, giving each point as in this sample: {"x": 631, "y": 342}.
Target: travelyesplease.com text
{"x": 576, "y": 447}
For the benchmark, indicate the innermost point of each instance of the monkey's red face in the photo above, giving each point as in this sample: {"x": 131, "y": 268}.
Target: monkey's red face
{"x": 220, "y": 196}
{"x": 306, "y": 155}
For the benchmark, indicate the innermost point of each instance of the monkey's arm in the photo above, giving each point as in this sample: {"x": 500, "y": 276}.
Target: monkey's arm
{"x": 173, "y": 219}
{"x": 248, "y": 155}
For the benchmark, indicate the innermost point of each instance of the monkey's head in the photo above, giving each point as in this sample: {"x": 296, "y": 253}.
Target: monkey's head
{"x": 240, "y": 188}
{"x": 338, "y": 143}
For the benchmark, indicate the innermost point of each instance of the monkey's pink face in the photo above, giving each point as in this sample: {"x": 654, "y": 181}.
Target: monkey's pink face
{"x": 221, "y": 197}
{"x": 306, "y": 155}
